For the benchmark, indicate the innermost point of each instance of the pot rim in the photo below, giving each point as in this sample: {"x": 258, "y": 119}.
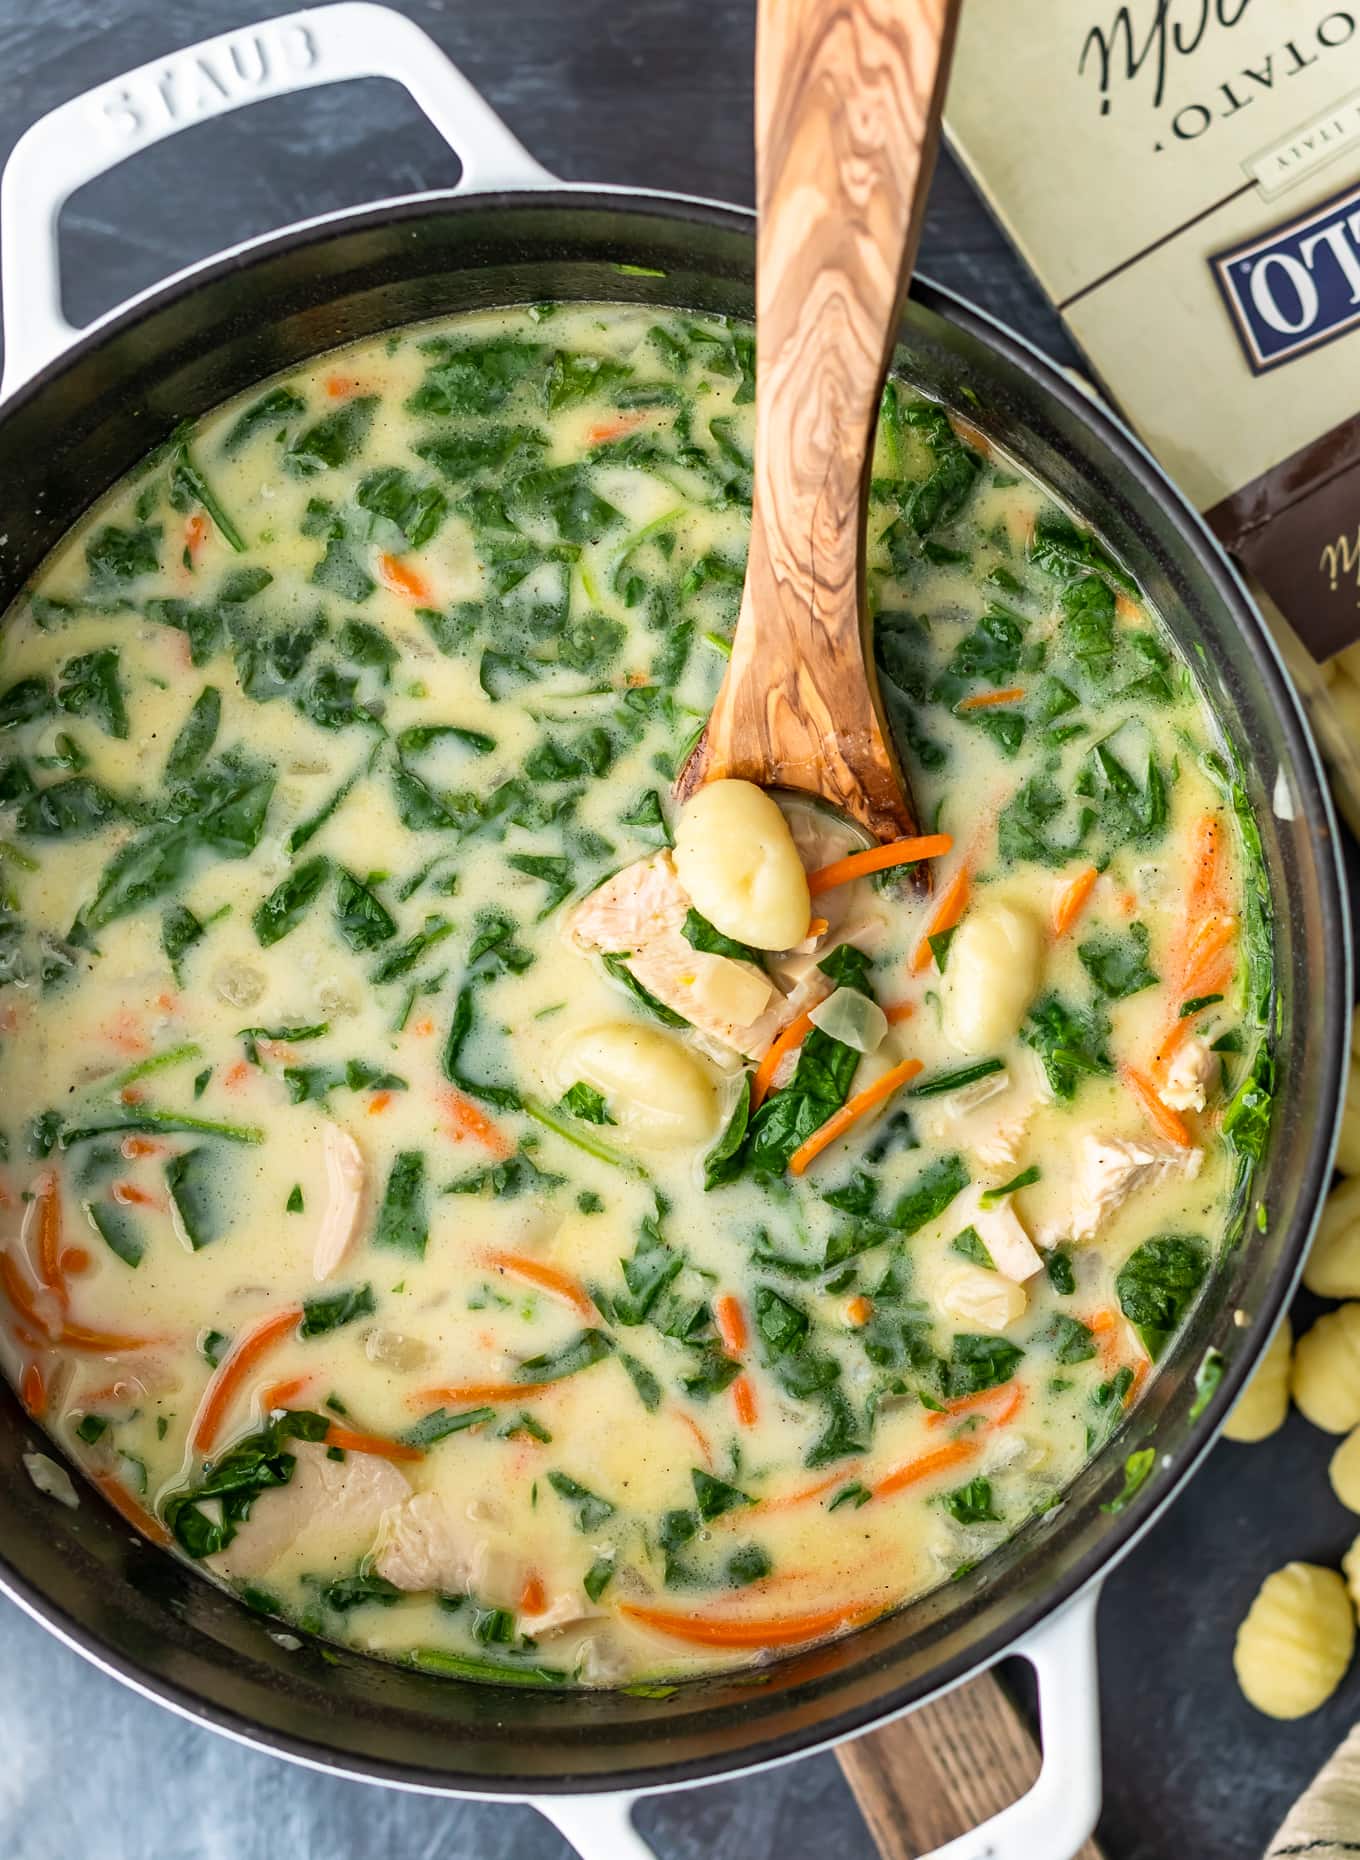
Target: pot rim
{"x": 1133, "y": 457}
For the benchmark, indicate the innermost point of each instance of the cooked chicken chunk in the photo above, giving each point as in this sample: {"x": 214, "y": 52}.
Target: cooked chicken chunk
{"x": 631, "y": 909}
{"x": 639, "y": 913}
{"x": 1189, "y": 1076}
{"x": 1109, "y": 1169}
{"x": 337, "y": 1504}
{"x": 990, "y": 1119}
{"x": 999, "y": 1147}
{"x": 344, "y": 1200}
{"x": 1002, "y": 1232}
{"x": 729, "y": 1001}
{"x": 424, "y": 1546}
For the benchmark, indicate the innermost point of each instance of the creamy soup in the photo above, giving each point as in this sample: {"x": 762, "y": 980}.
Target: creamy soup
{"x": 486, "y": 1217}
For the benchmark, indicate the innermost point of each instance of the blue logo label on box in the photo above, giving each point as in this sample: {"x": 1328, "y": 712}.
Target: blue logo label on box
{"x": 1297, "y": 286}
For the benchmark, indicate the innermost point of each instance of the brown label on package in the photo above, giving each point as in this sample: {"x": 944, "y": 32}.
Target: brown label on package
{"x": 1297, "y": 528}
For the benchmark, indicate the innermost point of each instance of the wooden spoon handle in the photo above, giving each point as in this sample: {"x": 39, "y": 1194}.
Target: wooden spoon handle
{"x": 943, "y": 1770}
{"x": 847, "y": 95}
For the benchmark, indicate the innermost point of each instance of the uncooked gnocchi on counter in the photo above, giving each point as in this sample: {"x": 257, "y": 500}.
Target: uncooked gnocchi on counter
{"x": 486, "y": 1217}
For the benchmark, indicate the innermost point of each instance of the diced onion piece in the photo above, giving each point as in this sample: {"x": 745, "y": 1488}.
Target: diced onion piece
{"x": 852, "y": 1018}
{"x": 728, "y": 991}
{"x": 980, "y": 1299}
{"x": 51, "y": 1479}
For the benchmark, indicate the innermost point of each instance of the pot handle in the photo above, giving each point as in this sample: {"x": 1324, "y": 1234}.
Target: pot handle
{"x": 1049, "y": 1823}
{"x": 94, "y": 132}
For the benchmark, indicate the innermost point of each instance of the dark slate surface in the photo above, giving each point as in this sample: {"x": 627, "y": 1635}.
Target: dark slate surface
{"x": 654, "y": 92}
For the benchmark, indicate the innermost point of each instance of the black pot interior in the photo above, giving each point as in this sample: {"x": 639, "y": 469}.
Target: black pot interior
{"x": 75, "y": 431}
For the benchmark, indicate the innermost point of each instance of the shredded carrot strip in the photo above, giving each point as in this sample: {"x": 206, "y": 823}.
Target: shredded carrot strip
{"x": 117, "y": 1495}
{"x": 1102, "y": 1320}
{"x": 1204, "y": 962}
{"x": 75, "y": 1336}
{"x": 399, "y": 579}
{"x": 195, "y": 533}
{"x": 469, "y": 1120}
{"x": 701, "y": 1439}
{"x": 1206, "y": 861}
{"x": 840, "y": 1121}
{"x": 99, "y": 1342}
{"x": 1006, "y": 1414}
{"x": 1212, "y": 979}
{"x": 744, "y": 1401}
{"x": 477, "y": 1392}
{"x": 859, "y": 1310}
{"x": 731, "y": 1322}
{"x": 128, "y": 1195}
{"x": 964, "y": 1404}
{"x": 378, "y": 1103}
{"x": 790, "y": 1501}
{"x": 533, "y": 1595}
{"x": 1072, "y": 900}
{"x": 953, "y": 901}
{"x": 49, "y": 1238}
{"x": 20, "y": 1294}
{"x": 878, "y": 859}
{"x": 279, "y": 1394}
{"x": 604, "y": 430}
{"x": 33, "y": 1391}
{"x": 984, "y": 700}
{"x": 548, "y": 1278}
{"x": 350, "y": 1441}
{"x": 125, "y": 1034}
{"x": 1171, "y": 1124}
{"x": 74, "y": 1261}
{"x": 898, "y": 1011}
{"x": 793, "y": 1035}
{"x": 340, "y": 387}
{"x": 236, "y": 1075}
{"x": 423, "y": 1028}
{"x": 926, "y": 1465}
{"x": 774, "y": 1631}
{"x": 235, "y": 1366}
{"x": 133, "y": 1147}
{"x": 971, "y": 435}
{"x": 818, "y": 926}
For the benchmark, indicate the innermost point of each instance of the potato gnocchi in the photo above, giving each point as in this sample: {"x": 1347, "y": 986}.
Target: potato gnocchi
{"x": 1261, "y": 1408}
{"x": 1325, "y": 1378}
{"x": 1296, "y": 1642}
{"x": 489, "y": 1219}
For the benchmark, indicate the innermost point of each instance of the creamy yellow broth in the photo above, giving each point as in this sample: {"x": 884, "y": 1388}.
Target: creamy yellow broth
{"x": 324, "y": 1188}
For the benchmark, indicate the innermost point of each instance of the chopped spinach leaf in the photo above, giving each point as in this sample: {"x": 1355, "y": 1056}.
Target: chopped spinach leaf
{"x": 1157, "y": 1284}
{"x": 290, "y": 900}
{"x": 403, "y": 1224}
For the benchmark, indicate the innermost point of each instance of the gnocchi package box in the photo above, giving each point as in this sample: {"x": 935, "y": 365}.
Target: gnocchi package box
{"x": 1183, "y": 177}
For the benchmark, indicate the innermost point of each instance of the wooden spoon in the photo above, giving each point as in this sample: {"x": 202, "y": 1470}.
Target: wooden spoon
{"x": 848, "y": 99}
